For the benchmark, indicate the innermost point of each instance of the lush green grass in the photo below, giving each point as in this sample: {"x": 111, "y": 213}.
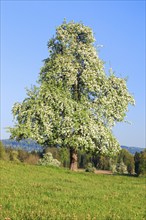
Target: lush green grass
{"x": 35, "y": 192}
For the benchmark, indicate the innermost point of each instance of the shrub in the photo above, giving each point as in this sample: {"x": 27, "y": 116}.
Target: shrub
{"x": 22, "y": 155}
{"x": 54, "y": 151}
{"x": 48, "y": 160}
{"x": 113, "y": 168}
{"x": 90, "y": 168}
{"x": 13, "y": 155}
{"x": 32, "y": 159}
{"x": 128, "y": 160}
{"x": 121, "y": 168}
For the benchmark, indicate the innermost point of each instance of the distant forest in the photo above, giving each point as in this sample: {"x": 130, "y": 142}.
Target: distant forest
{"x": 30, "y": 145}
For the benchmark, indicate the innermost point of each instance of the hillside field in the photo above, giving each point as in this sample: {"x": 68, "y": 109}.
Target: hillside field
{"x": 30, "y": 192}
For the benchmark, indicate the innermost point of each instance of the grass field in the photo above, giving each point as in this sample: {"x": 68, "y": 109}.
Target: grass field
{"x": 31, "y": 192}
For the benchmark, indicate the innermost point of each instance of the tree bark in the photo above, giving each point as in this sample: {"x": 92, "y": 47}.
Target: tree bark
{"x": 73, "y": 159}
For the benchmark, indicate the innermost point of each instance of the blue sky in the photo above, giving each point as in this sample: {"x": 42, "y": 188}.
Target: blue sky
{"x": 26, "y": 27}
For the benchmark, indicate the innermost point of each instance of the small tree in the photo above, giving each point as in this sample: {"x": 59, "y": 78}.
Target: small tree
{"x": 76, "y": 104}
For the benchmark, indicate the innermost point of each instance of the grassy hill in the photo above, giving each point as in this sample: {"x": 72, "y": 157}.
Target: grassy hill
{"x": 45, "y": 193}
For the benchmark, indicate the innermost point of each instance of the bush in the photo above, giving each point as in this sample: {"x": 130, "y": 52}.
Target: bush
{"x": 113, "y": 168}
{"x": 48, "y": 160}
{"x": 90, "y": 168}
{"x": 22, "y": 155}
{"x": 32, "y": 159}
{"x": 54, "y": 151}
{"x": 127, "y": 159}
{"x": 13, "y": 155}
{"x": 121, "y": 168}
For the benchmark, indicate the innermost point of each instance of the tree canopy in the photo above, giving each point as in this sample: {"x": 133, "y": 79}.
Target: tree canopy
{"x": 76, "y": 104}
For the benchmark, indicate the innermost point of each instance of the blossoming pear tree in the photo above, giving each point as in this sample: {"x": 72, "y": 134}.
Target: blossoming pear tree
{"x": 76, "y": 104}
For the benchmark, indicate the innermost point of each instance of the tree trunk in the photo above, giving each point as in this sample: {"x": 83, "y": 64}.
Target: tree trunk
{"x": 73, "y": 159}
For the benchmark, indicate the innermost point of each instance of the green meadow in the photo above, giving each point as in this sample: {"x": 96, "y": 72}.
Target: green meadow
{"x": 30, "y": 192}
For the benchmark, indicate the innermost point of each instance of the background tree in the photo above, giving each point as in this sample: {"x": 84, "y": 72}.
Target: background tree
{"x": 84, "y": 158}
{"x": 128, "y": 159}
{"x": 76, "y": 104}
{"x": 2, "y": 151}
{"x": 102, "y": 162}
{"x": 140, "y": 163}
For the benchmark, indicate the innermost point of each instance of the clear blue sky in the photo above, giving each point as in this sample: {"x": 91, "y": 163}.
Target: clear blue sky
{"x": 26, "y": 27}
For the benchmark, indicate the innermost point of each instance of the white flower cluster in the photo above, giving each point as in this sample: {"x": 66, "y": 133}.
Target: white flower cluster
{"x": 48, "y": 160}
